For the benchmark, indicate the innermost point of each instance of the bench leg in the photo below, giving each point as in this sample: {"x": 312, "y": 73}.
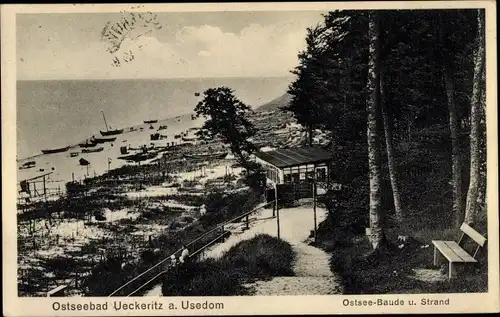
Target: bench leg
{"x": 451, "y": 271}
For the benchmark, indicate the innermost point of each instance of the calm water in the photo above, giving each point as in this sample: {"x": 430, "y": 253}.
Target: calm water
{"x": 53, "y": 114}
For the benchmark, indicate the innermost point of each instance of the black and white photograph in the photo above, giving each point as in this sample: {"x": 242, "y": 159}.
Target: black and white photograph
{"x": 218, "y": 153}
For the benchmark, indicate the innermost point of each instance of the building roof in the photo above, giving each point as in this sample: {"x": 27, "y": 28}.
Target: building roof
{"x": 293, "y": 157}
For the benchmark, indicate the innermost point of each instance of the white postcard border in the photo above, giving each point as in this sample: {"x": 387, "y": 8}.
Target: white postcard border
{"x": 459, "y": 303}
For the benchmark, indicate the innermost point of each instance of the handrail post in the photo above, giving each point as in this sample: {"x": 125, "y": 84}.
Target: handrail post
{"x": 314, "y": 208}
{"x": 277, "y": 209}
{"x": 275, "y": 205}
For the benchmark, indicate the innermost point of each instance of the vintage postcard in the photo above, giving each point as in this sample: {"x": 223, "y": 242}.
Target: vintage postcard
{"x": 244, "y": 159}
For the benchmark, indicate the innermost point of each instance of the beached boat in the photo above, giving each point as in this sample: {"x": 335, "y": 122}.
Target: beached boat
{"x": 155, "y": 136}
{"x": 109, "y": 132}
{"x": 87, "y": 144}
{"x": 138, "y": 157}
{"x": 103, "y": 140}
{"x": 150, "y": 121}
{"x": 73, "y": 154}
{"x": 162, "y": 127}
{"x": 207, "y": 156}
{"x": 99, "y": 149}
{"x": 52, "y": 151}
{"x": 143, "y": 148}
{"x": 27, "y": 165}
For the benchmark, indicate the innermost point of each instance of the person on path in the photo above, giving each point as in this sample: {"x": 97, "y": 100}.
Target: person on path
{"x": 184, "y": 255}
{"x": 173, "y": 260}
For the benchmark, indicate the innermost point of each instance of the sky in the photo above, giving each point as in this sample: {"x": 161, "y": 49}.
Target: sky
{"x": 179, "y": 45}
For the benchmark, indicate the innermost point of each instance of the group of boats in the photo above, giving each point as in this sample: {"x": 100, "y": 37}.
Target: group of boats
{"x": 143, "y": 153}
{"x": 27, "y": 165}
{"x": 87, "y": 145}
{"x": 106, "y": 136}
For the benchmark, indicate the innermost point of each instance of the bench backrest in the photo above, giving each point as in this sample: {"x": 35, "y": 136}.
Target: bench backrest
{"x": 474, "y": 235}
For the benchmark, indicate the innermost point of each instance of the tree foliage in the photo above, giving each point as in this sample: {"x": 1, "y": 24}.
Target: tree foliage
{"x": 416, "y": 48}
{"x": 226, "y": 118}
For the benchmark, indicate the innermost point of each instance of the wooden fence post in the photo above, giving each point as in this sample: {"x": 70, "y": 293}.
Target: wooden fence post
{"x": 314, "y": 209}
{"x": 275, "y": 205}
{"x": 277, "y": 210}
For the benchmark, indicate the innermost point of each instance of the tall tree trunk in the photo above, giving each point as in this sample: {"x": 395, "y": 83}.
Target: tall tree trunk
{"x": 456, "y": 161}
{"x": 475, "y": 116}
{"x": 456, "y": 166}
{"x": 310, "y": 134}
{"x": 377, "y": 236}
{"x": 390, "y": 154}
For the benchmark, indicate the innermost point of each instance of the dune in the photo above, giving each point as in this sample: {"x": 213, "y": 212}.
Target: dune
{"x": 276, "y": 103}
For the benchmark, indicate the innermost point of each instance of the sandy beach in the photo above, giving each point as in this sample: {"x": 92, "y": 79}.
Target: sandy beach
{"x": 65, "y": 168}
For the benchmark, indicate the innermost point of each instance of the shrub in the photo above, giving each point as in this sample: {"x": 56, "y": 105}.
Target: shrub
{"x": 259, "y": 258}
{"x": 221, "y": 206}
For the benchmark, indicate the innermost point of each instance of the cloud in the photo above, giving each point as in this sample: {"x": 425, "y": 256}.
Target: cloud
{"x": 201, "y": 51}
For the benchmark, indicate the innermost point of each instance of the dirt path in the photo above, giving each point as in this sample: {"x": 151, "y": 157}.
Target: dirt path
{"x": 311, "y": 266}
{"x": 312, "y": 276}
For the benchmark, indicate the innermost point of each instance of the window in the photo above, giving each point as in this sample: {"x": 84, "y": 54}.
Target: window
{"x": 310, "y": 176}
{"x": 288, "y": 178}
{"x": 321, "y": 174}
{"x": 272, "y": 174}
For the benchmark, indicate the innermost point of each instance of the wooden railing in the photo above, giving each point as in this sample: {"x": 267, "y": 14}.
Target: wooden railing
{"x": 156, "y": 271}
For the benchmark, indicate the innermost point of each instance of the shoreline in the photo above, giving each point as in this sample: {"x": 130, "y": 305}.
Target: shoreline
{"x": 125, "y": 131}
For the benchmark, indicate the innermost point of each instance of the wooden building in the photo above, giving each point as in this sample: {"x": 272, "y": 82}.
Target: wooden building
{"x": 295, "y": 166}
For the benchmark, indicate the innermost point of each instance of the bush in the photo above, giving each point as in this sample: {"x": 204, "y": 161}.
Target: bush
{"x": 259, "y": 258}
{"x": 99, "y": 215}
{"x": 255, "y": 178}
{"x": 221, "y": 207}
{"x": 150, "y": 257}
{"x": 263, "y": 256}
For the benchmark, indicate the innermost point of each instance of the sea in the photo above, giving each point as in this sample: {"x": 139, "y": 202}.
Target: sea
{"x": 56, "y": 114}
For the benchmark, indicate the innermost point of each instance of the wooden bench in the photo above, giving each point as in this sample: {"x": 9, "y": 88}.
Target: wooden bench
{"x": 454, "y": 252}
